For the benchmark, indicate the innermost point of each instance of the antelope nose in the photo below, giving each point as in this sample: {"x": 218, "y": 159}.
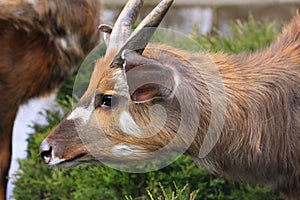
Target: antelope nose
{"x": 46, "y": 152}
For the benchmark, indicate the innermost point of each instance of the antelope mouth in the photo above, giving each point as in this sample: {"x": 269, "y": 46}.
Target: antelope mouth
{"x": 74, "y": 161}
{"x": 50, "y": 159}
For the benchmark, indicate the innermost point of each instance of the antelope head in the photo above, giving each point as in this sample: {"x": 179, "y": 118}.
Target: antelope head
{"x": 126, "y": 114}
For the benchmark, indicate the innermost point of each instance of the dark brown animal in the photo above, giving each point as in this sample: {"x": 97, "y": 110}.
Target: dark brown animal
{"x": 41, "y": 41}
{"x": 236, "y": 115}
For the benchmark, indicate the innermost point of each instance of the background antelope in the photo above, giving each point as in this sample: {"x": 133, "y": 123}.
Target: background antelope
{"x": 235, "y": 115}
{"x": 41, "y": 43}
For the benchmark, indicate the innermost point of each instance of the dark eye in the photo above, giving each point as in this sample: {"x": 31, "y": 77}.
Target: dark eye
{"x": 106, "y": 101}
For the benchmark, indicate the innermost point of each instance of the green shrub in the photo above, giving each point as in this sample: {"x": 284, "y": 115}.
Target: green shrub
{"x": 180, "y": 180}
{"x": 246, "y": 36}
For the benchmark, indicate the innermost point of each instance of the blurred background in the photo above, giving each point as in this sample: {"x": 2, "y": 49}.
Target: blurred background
{"x": 204, "y": 15}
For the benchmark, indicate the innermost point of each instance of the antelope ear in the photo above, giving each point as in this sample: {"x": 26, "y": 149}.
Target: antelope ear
{"x": 147, "y": 79}
{"x": 106, "y": 29}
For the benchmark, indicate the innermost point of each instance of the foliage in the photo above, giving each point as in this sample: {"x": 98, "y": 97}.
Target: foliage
{"x": 246, "y": 36}
{"x": 180, "y": 180}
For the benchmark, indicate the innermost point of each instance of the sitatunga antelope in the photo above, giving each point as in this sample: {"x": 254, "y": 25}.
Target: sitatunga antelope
{"x": 238, "y": 116}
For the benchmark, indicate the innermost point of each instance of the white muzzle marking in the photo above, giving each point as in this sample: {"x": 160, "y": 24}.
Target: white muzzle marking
{"x": 82, "y": 113}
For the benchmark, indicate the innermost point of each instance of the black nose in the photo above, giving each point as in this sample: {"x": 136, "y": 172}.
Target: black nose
{"x": 46, "y": 152}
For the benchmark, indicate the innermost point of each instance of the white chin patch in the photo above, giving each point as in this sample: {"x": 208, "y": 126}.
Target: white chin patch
{"x": 55, "y": 160}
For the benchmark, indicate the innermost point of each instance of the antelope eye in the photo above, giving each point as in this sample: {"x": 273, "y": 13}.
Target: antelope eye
{"x": 105, "y": 101}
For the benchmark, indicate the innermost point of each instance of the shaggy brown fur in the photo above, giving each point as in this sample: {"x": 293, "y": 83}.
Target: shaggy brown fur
{"x": 260, "y": 137}
{"x": 41, "y": 42}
